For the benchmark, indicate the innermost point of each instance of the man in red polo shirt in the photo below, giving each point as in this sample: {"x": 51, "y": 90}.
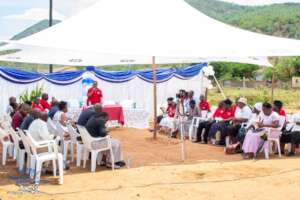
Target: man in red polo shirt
{"x": 94, "y": 94}
{"x": 203, "y": 104}
{"x": 44, "y": 101}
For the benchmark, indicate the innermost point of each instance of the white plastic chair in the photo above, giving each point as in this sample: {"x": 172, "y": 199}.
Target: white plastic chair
{"x": 7, "y": 146}
{"x": 274, "y": 136}
{"x": 87, "y": 140}
{"x": 18, "y": 152}
{"x": 79, "y": 145}
{"x": 194, "y": 127}
{"x": 29, "y": 161}
{"x": 39, "y": 158}
{"x": 64, "y": 143}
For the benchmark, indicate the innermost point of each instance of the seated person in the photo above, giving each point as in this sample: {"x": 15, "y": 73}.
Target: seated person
{"x": 242, "y": 116}
{"x": 88, "y": 113}
{"x": 37, "y": 105}
{"x": 167, "y": 121}
{"x": 292, "y": 135}
{"x": 192, "y": 112}
{"x": 96, "y": 128}
{"x": 278, "y": 107}
{"x": 61, "y": 116}
{"x": 44, "y": 102}
{"x": 38, "y": 129}
{"x": 205, "y": 125}
{"x": 254, "y": 139}
{"x": 204, "y": 105}
{"x": 19, "y": 116}
{"x": 12, "y": 107}
{"x": 33, "y": 114}
{"x": 54, "y": 108}
{"x": 220, "y": 126}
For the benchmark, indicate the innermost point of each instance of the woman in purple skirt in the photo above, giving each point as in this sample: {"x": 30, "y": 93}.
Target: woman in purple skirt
{"x": 253, "y": 140}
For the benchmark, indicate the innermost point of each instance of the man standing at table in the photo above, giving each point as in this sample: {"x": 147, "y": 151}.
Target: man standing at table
{"x": 94, "y": 95}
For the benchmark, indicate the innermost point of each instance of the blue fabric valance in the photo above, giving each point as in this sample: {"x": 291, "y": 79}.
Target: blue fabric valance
{"x": 70, "y": 77}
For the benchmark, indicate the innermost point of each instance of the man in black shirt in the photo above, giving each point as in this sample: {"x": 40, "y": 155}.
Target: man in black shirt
{"x": 96, "y": 128}
{"x": 87, "y": 114}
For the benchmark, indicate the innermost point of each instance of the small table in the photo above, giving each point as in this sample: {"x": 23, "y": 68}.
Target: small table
{"x": 115, "y": 113}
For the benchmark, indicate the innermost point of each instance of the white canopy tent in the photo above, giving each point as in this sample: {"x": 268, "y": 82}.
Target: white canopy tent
{"x": 168, "y": 28}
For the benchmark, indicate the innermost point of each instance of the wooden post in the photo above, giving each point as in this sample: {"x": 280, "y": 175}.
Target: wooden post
{"x": 50, "y": 24}
{"x": 154, "y": 97}
{"x": 273, "y": 85}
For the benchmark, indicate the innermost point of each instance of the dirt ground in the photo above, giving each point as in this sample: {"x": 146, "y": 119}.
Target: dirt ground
{"x": 157, "y": 172}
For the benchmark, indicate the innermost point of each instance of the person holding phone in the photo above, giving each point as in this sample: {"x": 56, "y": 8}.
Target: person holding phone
{"x": 94, "y": 95}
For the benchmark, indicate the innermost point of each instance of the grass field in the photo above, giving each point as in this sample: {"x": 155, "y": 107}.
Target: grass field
{"x": 290, "y": 97}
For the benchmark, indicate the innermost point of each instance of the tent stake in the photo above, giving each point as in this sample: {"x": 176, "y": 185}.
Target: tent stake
{"x": 154, "y": 97}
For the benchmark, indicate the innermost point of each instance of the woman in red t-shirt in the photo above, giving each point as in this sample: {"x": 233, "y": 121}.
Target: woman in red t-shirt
{"x": 227, "y": 115}
{"x": 206, "y": 125}
{"x": 166, "y": 121}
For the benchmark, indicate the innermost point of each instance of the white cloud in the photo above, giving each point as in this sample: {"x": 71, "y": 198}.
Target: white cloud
{"x": 35, "y": 14}
{"x": 260, "y": 2}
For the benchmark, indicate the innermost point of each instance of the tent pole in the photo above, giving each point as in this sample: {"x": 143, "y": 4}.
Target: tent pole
{"x": 273, "y": 85}
{"x": 220, "y": 88}
{"x": 154, "y": 97}
{"x": 50, "y": 24}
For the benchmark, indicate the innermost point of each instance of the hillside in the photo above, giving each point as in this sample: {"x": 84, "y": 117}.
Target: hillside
{"x": 278, "y": 19}
{"x": 34, "y": 29}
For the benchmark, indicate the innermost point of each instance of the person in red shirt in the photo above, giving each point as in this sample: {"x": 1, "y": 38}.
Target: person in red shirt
{"x": 227, "y": 115}
{"x": 44, "y": 101}
{"x": 278, "y": 107}
{"x": 37, "y": 105}
{"x": 203, "y": 104}
{"x": 94, "y": 94}
{"x": 206, "y": 125}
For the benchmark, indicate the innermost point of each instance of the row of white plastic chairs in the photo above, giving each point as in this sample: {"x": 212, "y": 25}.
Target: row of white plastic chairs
{"x": 52, "y": 153}
{"x": 274, "y": 134}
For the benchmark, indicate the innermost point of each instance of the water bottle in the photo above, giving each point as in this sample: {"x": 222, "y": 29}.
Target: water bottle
{"x": 218, "y": 136}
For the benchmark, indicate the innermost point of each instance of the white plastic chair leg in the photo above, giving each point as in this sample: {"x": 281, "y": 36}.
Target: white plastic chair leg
{"x": 278, "y": 147}
{"x": 79, "y": 155}
{"x": 16, "y": 152}
{"x": 54, "y": 167}
{"x": 85, "y": 155}
{"x": 112, "y": 158}
{"x": 38, "y": 170}
{"x": 65, "y": 150}
{"x": 93, "y": 161}
{"x": 21, "y": 159}
{"x": 266, "y": 151}
{"x": 11, "y": 150}
{"x": 60, "y": 169}
{"x": 227, "y": 141}
{"x": 72, "y": 151}
{"x": 4, "y": 152}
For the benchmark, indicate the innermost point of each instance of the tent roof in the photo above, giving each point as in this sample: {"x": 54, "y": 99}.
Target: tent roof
{"x": 163, "y": 28}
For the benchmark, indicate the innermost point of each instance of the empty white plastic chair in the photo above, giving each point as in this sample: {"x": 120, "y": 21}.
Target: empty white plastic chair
{"x": 79, "y": 145}
{"x": 18, "y": 152}
{"x": 274, "y": 136}
{"x": 39, "y": 158}
{"x": 87, "y": 140}
{"x": 7, "y": 146}
{"x": 64, "y": 143}
{"x": 194, "y": 127}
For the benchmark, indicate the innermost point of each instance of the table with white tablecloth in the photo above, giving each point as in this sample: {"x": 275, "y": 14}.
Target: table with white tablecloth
{"x": 136, "y": 118}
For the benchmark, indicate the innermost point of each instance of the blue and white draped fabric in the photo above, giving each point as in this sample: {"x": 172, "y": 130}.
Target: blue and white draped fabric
{"x": 71, "y": 77}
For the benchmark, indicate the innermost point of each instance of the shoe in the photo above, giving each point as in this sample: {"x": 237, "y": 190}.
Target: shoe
{"x": 121, "y": 163}
{"x": 108, "y": 165}
{"x": 290, "y": 154}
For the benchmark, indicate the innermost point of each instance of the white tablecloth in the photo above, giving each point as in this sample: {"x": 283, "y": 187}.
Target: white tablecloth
{"x": 136, "y": 118}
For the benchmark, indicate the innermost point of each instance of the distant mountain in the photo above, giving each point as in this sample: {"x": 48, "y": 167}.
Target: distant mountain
{"x": 278, "y": 19}
{"x": 34, "y": 29}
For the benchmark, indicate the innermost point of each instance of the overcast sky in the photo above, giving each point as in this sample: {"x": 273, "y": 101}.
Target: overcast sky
{"x": 16, "y": 15}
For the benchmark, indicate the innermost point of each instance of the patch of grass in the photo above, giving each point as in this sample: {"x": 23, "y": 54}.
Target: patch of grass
{"x": 290, "y": 97}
